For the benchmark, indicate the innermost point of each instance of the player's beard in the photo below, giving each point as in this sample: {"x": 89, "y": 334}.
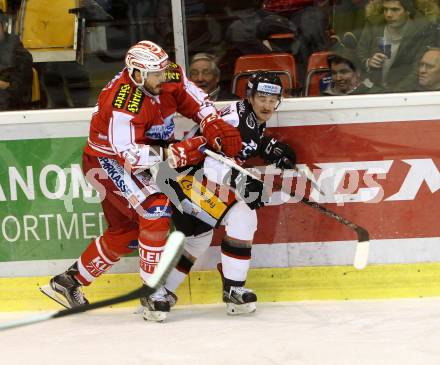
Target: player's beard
{"x": 154, "y": 90}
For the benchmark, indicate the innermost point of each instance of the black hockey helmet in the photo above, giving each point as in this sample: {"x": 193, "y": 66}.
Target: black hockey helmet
{"x": 264, "y": 82}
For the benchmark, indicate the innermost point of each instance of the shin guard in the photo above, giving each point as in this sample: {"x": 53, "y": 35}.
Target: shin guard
{"x": 93, "y": 262}
{"x": 235, "y": 263}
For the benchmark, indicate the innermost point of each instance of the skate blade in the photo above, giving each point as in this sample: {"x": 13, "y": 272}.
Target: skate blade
{"x": 237, "y": 309}
{"x": 52, "y": 294}
{"x": 154, "y": 316}
{"x": 139, "y": 310}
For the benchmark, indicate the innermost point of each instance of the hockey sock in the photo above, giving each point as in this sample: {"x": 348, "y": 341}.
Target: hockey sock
{"x": 236, "y": 259}
{"x": 178, "y": 274}
{"x": 149, "y": 256}
{"x": 93, "y": 262}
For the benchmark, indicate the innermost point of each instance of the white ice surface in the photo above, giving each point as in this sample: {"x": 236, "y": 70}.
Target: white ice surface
{"x": 331, "y": 332}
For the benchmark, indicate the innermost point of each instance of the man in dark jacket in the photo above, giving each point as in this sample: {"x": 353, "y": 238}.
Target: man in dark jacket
{"x": 15, "y": 70}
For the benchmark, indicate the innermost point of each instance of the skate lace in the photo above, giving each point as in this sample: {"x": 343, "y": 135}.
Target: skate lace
{"x": 238, "y": 290}
{"x": 159, "y": 295}
{"x": 78, "y": 296}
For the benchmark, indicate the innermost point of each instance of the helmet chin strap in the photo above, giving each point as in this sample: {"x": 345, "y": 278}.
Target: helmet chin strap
{"x": 146, "y": 92}
{"x": 143, "y": 76}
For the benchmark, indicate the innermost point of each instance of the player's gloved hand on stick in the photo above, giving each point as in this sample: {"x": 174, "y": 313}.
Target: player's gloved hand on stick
{"x": 221, "y": 136}
{"x": 279, "y": 153}
{"x": 251, "y": 191}
{"x": 187, "y": 152}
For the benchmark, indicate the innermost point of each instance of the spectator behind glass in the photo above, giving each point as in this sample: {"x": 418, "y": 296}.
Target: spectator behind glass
{"x": 203, "y": 71}
{"x": 392, "y": 43}
{"x": 248, "y": 14}
{"x": 15, "y": 70}
{"x": 346, "y": 75}
{"x": 274, "y": 34}
{"x": 429, "y": 70}
{"x": 311, "y": 17}
{"x": 278, "y": 34}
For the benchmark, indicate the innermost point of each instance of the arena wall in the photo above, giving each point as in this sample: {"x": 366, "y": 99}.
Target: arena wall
{"x": 375, "y": 157}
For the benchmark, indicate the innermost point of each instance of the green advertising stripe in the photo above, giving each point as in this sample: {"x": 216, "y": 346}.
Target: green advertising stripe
{"x": 47, "y": 209}
{"x": 280, "y": 284}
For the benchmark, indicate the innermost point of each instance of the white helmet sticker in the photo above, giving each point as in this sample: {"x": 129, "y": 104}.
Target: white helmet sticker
{"x": 269, "y": 88}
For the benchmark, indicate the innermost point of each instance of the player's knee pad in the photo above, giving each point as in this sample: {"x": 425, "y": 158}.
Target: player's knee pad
{"x": 117, "y": 243}
{"x": 240, "y": 222}
{"x": 197, "y": 245}
{"x": 154, "y": 225}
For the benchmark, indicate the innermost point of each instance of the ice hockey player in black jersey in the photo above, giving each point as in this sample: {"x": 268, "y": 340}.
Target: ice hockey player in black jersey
{"x": 232, "y": 201}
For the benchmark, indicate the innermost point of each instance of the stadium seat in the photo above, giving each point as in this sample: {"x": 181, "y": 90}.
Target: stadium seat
{"x": 318, "y": 73}
{"x": 283, "y": 64}
{"x": 36, "y": 96}
{"x": 48, "y": 30}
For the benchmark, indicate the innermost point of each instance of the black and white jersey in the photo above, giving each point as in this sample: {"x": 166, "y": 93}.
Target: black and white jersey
{"x": 241, "y": 115}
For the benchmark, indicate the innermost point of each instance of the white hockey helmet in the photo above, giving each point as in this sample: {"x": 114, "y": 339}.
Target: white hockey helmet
{"x": 145, "y": 57}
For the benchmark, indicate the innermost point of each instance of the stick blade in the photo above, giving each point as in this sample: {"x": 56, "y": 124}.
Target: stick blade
{"x": 171, "y": 254}
{"x": 27, "y": 321}
{"x": 361, "y": 255}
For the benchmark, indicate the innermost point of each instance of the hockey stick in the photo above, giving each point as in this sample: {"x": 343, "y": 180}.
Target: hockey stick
{"x": 305, "y": 171}
{"x": 308, "y": 174}
{"x": 363, "y": 246}
{"x": 170, "y": 256}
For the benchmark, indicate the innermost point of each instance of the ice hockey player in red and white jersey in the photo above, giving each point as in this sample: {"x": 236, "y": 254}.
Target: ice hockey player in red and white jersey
{"x": 131, "y": 130}
{"x": 236, "y": 211}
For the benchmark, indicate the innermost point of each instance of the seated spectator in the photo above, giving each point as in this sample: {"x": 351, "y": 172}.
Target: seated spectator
{"x": 248, "y": 14}
{"x": 278, "y": 34}
{"x": 429, "y": 70}
{"x": 346, "y": 76}
{"x": 15, "y": 70}
{"x": 392, "y": 43}
{"x": 203, "y": 71}
{"x": 274, "y": 34}
{"x": 311, "y": 17}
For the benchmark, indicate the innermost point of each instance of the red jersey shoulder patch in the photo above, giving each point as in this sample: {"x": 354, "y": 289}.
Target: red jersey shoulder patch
{"x": 135, "y": 102}
{"x": 173, "y": 73}
{"x": 121, "y": 96}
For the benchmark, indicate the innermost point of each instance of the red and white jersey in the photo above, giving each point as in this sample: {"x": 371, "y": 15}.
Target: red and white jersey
{"x": 127, "y": 122}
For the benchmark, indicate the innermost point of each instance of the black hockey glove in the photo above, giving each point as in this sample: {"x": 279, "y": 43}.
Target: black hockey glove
{"x": 251, "y": 191}
{"x": 281, "y": 154}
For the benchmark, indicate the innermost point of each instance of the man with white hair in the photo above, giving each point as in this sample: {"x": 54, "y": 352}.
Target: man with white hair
{"x": 429, "y": 70}
{"x": 204, "y": 72}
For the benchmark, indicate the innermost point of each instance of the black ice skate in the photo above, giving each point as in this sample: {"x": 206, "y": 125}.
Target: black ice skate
{"x": 65, "y": 289}
{"x": 157, "y": 306}
{"x": 239, "y": 300}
